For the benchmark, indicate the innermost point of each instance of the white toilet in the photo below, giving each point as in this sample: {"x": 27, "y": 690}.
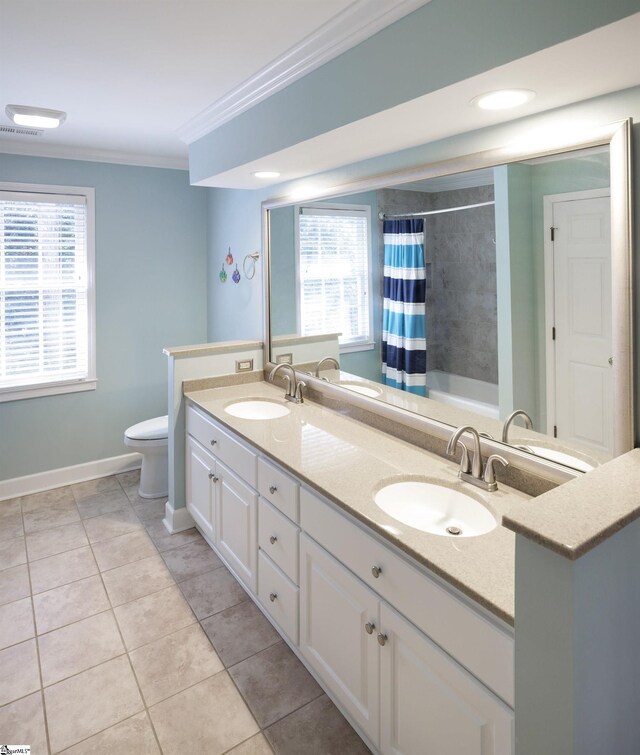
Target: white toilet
{"x": 151, "y": 439}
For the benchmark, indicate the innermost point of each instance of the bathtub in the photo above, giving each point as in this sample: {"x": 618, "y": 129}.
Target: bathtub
{"x": 464, "y": 393}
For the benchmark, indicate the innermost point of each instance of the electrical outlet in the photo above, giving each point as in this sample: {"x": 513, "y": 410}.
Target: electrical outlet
{"x": 244, "y": 365}
{"x": 284, "y": 358}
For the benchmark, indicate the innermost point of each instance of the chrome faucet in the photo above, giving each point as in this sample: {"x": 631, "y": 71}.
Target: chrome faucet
{"x": 528, "y": 423}
{"x": 326, "y": 359}
{"x": 483, "y": 476}
{"x": 294, "y": 388}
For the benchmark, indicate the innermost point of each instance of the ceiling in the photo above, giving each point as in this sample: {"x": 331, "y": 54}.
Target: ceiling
{"x": 131, "y": 73}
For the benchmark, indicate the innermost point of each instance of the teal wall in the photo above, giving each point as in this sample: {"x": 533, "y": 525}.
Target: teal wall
{"x": 437, "y": 45}
{"x": 151, "y": 267}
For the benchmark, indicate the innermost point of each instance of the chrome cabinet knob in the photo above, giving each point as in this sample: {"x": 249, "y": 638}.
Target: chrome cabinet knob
{"x": 369, "y": 627}
{"x": 376, "y": 571}
{"x": 273, "y": 539}
{"x": 212, "y": 477}
{"x": 382, "y": 639}
{"x": 272, "y": 489}
{"x": 213, "y": 442}
{"x": 273, "y": 596}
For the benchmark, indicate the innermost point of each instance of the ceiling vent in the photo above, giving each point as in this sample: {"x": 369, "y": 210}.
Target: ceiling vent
{"x": 21, "y": 131}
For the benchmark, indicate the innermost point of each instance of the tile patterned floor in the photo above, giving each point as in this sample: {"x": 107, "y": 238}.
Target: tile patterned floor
{"x": 116, "y": 636}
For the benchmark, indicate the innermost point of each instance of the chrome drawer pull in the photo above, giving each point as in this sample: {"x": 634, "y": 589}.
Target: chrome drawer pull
{"x": 212, "y": 477}
{"x": 272, "y": 489}
{"x": 369, "y": 627}
{"x": 273, "y": 596}
{"x": 382, "y": 639}
{"x": 376, "y": 571}
{"x": 273, "y": 539}
{"x": 213, "y": 442}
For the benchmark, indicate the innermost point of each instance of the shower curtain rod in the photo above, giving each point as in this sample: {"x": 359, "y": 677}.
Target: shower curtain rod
{"x": 385, "y": 216}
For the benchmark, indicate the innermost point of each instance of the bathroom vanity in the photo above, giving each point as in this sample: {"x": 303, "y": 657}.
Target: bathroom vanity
{"x": 410, "y": 633}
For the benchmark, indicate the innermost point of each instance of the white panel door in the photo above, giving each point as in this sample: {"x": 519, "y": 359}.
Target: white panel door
{"x": 200, "y": 488}
{"x": 582, "y": 301}
{"x": 429, "y": 704}
{"x": 237, "y": 525}
{"x": 334, "y": 609}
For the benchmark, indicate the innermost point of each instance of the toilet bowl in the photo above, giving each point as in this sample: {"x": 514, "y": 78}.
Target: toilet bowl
{"x": 151, "y": 439}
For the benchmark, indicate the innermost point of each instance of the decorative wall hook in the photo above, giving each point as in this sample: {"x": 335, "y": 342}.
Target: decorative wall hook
{"x": 222, "y": 275}
{"x": 229, "y": 259}
{"x": 236, "y": 275}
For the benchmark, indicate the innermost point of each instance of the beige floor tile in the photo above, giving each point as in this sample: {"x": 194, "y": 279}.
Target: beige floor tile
{"x": 190, "y": 560}
{"x": 54, "y": 541}
{"x": 64, "y": 605}
{"x": 22, "y": 722}
{"x": 130, "y": 481}
{"x": 16, "y": 622}
{"x": 12, "y": 552}
{"x": 10, "y": 519}
{"x": 112, "y": 525}
{"x": 84, "y": 490}
{"x": 19, "y": 672}
{"x": 46, "y": 498}
{"x": 135, "y": 580}
{"x": 79, "y": 646}
{"x": 212, "y": 592}
{"x": 164, "y": 541}
{"x": 131, "y": 737}
{"x": 14, "y": 584}
{"x": 174, "y": 663}
{"x": 89, "y": 702}
{"x": 103, "y": 503}
{"x": 257, "y": 745}
{"x": 150, "y": 509}
{"x": 186, "y": 723}
{"x": 44, "y": 517}
{"x": 123, "y": 550}
{"x": 147, "y": 619}
{"x": 61, "y": 569}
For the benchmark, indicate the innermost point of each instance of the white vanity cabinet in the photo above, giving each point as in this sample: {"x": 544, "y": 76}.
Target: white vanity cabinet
{"x": 417, "y": 669}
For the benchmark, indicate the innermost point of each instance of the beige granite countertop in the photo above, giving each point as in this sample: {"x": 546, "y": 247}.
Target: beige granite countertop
{"x": 575, "y": 517}
{"x": 348, "y": 461}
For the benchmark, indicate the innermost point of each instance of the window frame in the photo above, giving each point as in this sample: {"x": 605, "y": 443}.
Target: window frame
{"x": 74, "y": 385}
{"x": 354, "y": 346}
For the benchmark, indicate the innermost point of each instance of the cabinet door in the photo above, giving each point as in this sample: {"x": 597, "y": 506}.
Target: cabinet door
{"x": 237, "y": 525}
{"x": 200, "y": 489}
{"x": 429, "y": 704}
{"x": 334, "y": 609}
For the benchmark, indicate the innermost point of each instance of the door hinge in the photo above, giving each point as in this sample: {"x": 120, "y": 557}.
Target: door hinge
{"x": 553, "y": 333}
{"x": 553, "y": 233}
{"x": 555, "y": 431}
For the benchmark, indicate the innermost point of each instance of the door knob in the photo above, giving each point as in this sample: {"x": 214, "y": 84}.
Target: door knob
{"x": 273, "y": 596}
{"x": 369, "y": 627}
{"x": 272, "y": 489}
{"x": 273, "y": 539}
{"x": 376, "y": 571}
{"x": 382, "y": 639}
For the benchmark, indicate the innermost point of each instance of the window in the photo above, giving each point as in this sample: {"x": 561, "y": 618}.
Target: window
{"x": 334, "y": 249}
{"x": 47, "y": 331}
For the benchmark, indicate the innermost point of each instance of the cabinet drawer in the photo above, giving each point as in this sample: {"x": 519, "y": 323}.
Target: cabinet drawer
{"x": 272, "y": 583}
{"x": 226, "y": 448}
{"x": 272, "y": 525}
{"x": 469, "y": 637}
{"x": 278, "y": 488}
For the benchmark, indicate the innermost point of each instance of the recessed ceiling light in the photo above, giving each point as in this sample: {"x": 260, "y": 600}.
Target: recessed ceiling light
{"x": 35, "y": 117}
{"x": 266, "y": 174}
{"x": 502, "y": 99}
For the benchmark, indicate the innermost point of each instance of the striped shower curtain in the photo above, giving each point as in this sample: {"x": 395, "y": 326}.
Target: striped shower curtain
{"x": 404, "y": 356}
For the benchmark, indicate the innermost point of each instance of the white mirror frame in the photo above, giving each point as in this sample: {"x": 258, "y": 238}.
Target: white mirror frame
{"x": 617, "y": 136}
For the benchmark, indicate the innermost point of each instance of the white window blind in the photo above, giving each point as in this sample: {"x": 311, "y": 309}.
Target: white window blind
{"x": 45, "y": 333}
{"x": 334, "y": 273}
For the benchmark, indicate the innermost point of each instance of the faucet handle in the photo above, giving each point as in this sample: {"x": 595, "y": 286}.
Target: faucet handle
{"x": 465, "y": 464}
{"x": 301, "y": 384}
{"x": 489, "y": 471}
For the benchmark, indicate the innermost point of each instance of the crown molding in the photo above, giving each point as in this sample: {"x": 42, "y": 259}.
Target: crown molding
{"x": 359, "y": 21}
{"x": 65, "y": 152}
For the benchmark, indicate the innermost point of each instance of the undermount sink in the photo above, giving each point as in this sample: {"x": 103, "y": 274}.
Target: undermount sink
{"x": 435, "y": 508}
{"x": 257, "y": 408}
{"x": 361, "y": 388}
{"x": 561, "y": 458}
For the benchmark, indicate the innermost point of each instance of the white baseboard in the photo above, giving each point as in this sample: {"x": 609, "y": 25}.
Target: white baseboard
{"x": 56, "y": 478}
{"x": 176, "y": 520}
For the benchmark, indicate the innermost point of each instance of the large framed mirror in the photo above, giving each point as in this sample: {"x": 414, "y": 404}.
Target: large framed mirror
{"x": 470, "y": 290}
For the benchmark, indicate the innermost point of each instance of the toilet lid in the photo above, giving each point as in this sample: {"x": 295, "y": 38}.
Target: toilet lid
{"x": 151, "y": 429}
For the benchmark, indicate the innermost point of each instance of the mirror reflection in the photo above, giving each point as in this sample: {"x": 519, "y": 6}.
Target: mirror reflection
{"x": 485, "y": 292}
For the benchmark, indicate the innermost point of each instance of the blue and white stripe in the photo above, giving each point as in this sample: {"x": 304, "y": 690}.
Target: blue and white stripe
{"x": 404, "y": 356}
